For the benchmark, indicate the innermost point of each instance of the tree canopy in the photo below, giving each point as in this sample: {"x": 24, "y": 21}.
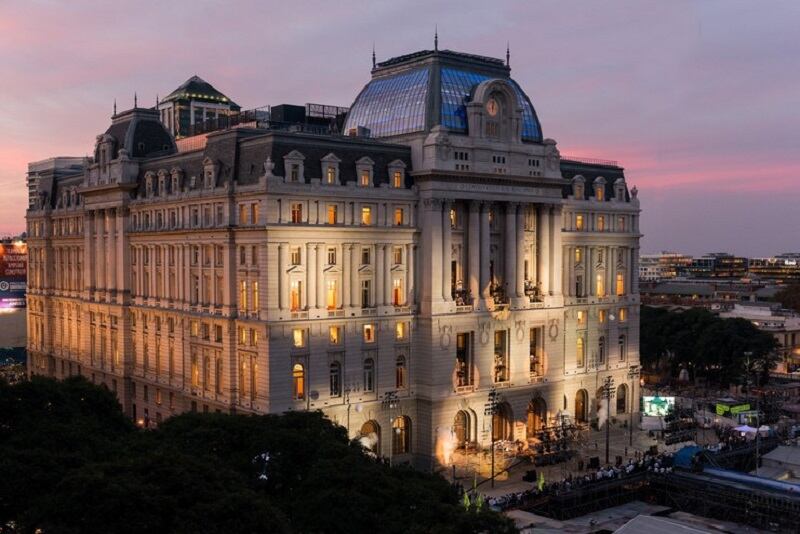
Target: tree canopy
{"x": 789, "y": 297}
{"x": 706, "y": 345}
{"x": 72, "y": 462}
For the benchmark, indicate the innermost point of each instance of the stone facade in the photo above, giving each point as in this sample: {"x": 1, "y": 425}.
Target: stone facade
{"x": 390, "y": 283}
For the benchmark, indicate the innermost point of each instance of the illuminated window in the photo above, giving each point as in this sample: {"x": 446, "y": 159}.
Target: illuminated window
{"x": 397, "y": 179}
{"x": 243, "y": 295}
{"x": 334, "y": 335}
{"x": 242, "y": 214}
{"x": 397, "y": 255}
{"x": 331, "y": 175}
{"x": 397, "y": 292}
{"x": 254, "y": 213}
{"x": 296, "y": 295}
{"x": 366, "y": 215}
{"x": 400, "y": 331}
{"x": 579, "y": 222}
{"x": 453, "y": 218}
{"x": 254, "y": 301}
{"x": 195, "y": 371}
{"x": 399, "y": 217}
{"x": 623, "y": 314}
{"x": 400, "y": 381}
{"x": 580, "y": 353}
{"x": 297, "y": 212}
{"x": 601, "y": 316}
{"x": 298, "y": 382}
{"x": 369, "y": 333}
{"x": 600, "y": 192}
{"x": 364, "y": 178}
{"x": 332, "y": 213}
{"x": 601, "y": 223}
{"x": 600, "y": 283}
{"x": 578, "y": 255}
{"x": 620, "y": 289}
{"x": 581, "y": 318}
{"x": 401, "y": 435}
{"x": 299, "y": 337}
{"x": 330, "y": 299}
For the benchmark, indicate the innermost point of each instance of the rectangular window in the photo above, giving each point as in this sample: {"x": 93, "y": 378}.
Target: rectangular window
{"x": 334, "y": 335}
{"x": 253, "y": 213}
{"x": 601, "y": 223}
{"x": 581, "y": 318}
{"x": 332, "y": 213}
{"x": 254, "y": 300}
{"x": 242, "y": 214}
{"x": 620, "y": 289}
{"x": 397, "y": 255}
{"x": 299, "y": 337}
{"x": 400, "y": 331}
{"x": 294, "y": 175}
{"x": 296, "y": 295}
{"x": 578, "y": 254}
{"x": 330, "y": 175}
{"x": 580, "y": 352}
{"x": 369, "y": 333}
{"x": 397, "y": 179}
{"x": 243, "y": 295}
{"x": 536, "y": 364}
{"x": 501, "y": 371}
{"x": 399, "y": 217}
{"x": 331, "y": 256}
{"x": 364, "y": 181}
{"x": 397, "y": 292}
{"x": 620, "y": 224}
{"x": 601, "y": 316}
{"x": 365, "y": 256}
{"x": 623, "y": 314}
{"x": 297, "y": 212}
{"x": 295, "y": 256}
{"x": 331, "y": 294}
{"x": 218, "y": 333}
{"x": 463, "y": 365}
{"x": 579, "y": 222}
{"x": 366, "y": 215}
{"x": 600, "y": 285}
{"x": 366, "y": 293}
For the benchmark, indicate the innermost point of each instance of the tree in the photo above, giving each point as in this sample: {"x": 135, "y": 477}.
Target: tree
{"x": 72, "y": 462}
{"x": 789, "y": 297}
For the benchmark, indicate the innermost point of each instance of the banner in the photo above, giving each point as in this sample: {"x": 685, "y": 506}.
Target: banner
{"x": 13, "y": 274}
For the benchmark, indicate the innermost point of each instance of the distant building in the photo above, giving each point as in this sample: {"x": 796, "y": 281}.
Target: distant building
{"x": 666, "y": 265}
{"x": 51, "y": 168}
{"x": 717, "y": 265}
{"x": 783, "y": 268}
{"x": 193, "y": 103}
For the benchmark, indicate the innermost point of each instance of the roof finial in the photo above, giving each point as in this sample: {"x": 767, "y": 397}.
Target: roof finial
{"x": 373, "y": 54}
{"x": 115, "y": 108}
{"x": 508, "y": 54}
{"x": 156, "y": 100}
{"x": 135, "y": 100}
{"x": 436, "y": 38}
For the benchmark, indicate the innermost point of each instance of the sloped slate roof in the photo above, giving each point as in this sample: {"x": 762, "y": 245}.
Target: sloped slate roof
{"x": 196, "y": 88}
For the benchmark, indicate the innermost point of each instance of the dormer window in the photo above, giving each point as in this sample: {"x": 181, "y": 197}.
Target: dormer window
{"x": 397, "y": 174}
{"x": 330, "y": 169}
{"x": 619, "y": 190}
{"x": 148, "y": 184}
{"x": 162, "y": 182}
{"x": 577, "y": 187}
{"x": 294, "y": 167}
{"x": 600, "y": 189}
{"x": 364, "y": 168}
{"x": 210, "y": 170}
{"x": 176, "y": 176}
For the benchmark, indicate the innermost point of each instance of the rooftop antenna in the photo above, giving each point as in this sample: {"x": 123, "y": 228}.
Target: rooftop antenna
{"x": 373, "y": 54}
{"x": 156, "y": 100}
{"x": 115, "y": 108}
{"x": 135, "y": 100}
{"x": 436, "y": 38}
{"x": 508, "y": 54}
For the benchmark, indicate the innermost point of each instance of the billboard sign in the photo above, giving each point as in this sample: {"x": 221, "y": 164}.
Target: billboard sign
{"x": 724, "y": 409}
{"x": 657, "y": 406}
{"x": 13, "y": 274}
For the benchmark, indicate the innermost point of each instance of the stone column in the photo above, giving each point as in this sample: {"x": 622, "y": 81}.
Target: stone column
{"x": 591, "y": 282}
{"x": 410, "y": 281}
{"x": 510, "y": 245}
{"x": 634, "y": 270}
{"x": 432, "y": 251}
{"x": 558, "y": 253}
{"x": 520, "y": 281}
{"x": 447, "y": 251}
{"x": 321, "y": 260}
{"x": 387, "y": 272}
{"x": 380, "y": 275}
{"x": 111, "y": 283}
{"x": 311, "y": 275}
{"x": 100, "y": 251}
{"x": 347, "y": 251}
{"x": 353, "y": 274}
{"x": 486, "y": 238}
{"x": 543, "y": 257}
{"x": 283, "y": 281}
{"x": 473, "y": 248}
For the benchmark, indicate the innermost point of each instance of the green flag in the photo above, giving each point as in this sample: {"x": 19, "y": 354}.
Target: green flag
{"x": 540, "y": 482}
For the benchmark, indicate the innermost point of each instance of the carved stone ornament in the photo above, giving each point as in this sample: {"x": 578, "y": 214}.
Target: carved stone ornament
{"x": 552, "y": 330}
{"x": 446, "y": 336}
{"x": 268, "y": 166}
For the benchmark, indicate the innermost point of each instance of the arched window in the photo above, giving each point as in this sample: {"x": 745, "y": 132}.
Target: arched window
{"x": 369, "y": 374}
{"x": 622, "y": 398}
{"x": 400, "y": 372}
{"x": 580, "y": 353}
{"x": 401, "y": 435}
{"x": 581, "y": 402}
{"x": 461, "y": 429}
{"x": 601, "y": 350}
{"x": 371, "y": 436}
{"x": 336, "y": 379}
{"x": 298, "y": 382}
{"x": 623, "y": 348}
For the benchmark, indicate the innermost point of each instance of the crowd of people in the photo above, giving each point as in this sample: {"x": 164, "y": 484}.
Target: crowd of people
{"x": 655, "y": 464}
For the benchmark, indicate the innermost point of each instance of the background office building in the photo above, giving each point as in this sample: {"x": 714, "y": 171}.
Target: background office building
{"x": 390, "y": 277}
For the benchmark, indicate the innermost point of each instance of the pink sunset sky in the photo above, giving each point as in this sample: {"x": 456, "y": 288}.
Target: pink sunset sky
{"x": 699, "y": 101}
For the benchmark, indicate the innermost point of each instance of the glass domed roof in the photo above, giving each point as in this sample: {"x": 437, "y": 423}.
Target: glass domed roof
{"x": 433, "y": 89}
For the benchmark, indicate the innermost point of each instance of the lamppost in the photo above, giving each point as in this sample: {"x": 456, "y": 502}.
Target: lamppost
{"x": 490, "y": 409}
{"x": 608, "y": 392}
{"x": 633, "y": 374}
{"x": 390, "y": 402}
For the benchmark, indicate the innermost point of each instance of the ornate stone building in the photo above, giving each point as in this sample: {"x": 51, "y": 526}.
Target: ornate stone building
{"x": 391, "y": 276}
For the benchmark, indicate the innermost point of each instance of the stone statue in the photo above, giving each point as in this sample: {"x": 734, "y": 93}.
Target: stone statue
{"x": 268, "y": 166}
{"x": 634, "y": 192}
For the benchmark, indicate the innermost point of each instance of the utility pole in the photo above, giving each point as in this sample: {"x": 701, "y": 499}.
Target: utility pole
{"x": 490, "y": 409}
{"x": 608, "y": 392}
{"x": 633, "y": 374}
